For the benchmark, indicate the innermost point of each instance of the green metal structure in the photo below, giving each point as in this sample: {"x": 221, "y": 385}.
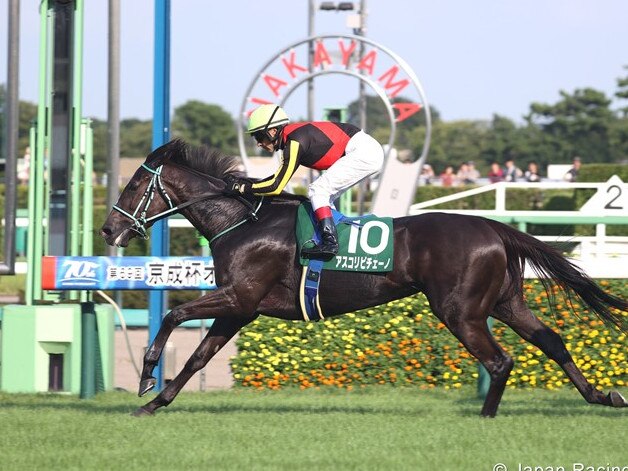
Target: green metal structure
{"x": 47, "y": 345}
{"x": 42, "y": 348}
{"x": 60, "y": 192}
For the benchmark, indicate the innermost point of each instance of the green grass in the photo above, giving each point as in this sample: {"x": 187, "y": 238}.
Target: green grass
{"x": 377, "y": 428}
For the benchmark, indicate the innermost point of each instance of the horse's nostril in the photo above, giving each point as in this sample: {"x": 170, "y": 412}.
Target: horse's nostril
{"x": 106, "y": 231}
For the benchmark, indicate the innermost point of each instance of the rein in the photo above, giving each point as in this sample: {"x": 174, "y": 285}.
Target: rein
{"x": 252, "y": 216}
{"x": 156, "y": 185}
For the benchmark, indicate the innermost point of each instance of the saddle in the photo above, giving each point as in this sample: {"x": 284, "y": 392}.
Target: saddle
{"x": 366, "y": 242}
{"x": 366, "y": 245}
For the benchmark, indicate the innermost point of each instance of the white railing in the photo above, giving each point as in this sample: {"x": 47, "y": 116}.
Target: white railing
{"x": 599, "y": 255}
{"x": 500, "y": 193}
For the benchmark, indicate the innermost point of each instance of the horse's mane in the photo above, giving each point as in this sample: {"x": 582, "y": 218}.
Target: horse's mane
{"x": 207, "y": 161}
{"x": 200, "y": 158}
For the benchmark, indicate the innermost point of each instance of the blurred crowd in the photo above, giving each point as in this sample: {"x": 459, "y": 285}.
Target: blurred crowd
{"x": 468, "y": 174}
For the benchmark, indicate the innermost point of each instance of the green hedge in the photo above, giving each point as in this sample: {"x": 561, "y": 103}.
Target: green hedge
{"x": 403, "y": 343}
{"x": 602, "y": 172}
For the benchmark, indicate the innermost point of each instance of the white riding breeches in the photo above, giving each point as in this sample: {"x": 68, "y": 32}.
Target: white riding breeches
{"x": 363, "y": 157}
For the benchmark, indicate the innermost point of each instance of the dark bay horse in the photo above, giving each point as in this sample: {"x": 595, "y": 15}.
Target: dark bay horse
{"x": 468, "y": 267}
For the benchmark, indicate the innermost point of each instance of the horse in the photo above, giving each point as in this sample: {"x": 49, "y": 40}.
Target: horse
{"x": 468, "y": 268}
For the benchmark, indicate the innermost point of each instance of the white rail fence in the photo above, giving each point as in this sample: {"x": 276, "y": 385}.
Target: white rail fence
{"x": 601, "y": 256}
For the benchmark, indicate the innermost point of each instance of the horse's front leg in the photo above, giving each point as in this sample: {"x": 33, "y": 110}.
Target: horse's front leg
{"x": 221, "y": 331}
{"x": 217, "y": 303}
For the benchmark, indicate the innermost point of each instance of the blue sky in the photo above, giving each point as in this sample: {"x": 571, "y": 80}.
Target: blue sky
{"x": 473, "y": 58}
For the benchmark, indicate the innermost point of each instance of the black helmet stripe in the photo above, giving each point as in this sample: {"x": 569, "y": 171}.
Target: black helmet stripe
{"x": 270, "y": 120}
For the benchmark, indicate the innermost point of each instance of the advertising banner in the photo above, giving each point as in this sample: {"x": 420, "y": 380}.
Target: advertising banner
{"x": 137, "y": 273}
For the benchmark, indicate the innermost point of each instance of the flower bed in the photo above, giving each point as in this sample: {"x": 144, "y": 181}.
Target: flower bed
{"x": 403, "y": 343}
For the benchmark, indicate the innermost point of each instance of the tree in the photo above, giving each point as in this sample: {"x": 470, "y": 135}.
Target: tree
{"x": 27, "y": 114}
{"x": 99, "y": 129}
{"x": 619, "y": 132}
{"x": 622, "y": 92}
{"x": 505, "y": 140}
{"x": 135, "y": 140}
{"x": 578, "y": 124}
{"x": 502, "y": 142}
{"x": 377, "y": 115}
{"x": 199, "y": 123}
{"x": 618, "y": 140}
{"x": 2, "y": 121}
{"x": 410, "y": 133}
{"x": 455, "y": 142}
{"x": 136, "y": 137}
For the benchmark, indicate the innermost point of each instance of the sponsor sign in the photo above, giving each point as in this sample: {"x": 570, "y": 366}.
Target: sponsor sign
{"x": 137, "y": 273}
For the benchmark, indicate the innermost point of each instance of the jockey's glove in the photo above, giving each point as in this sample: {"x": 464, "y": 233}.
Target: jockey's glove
{"x": 235, "y": 185}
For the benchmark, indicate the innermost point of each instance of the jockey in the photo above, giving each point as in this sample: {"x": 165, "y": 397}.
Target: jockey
{"x": 347, "y": 153}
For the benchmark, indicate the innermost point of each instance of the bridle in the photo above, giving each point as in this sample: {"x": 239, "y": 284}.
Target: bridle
{"x": 139, "y": 219}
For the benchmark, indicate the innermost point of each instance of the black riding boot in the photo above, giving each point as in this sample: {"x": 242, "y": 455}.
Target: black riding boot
{"x": 328, "y": 247}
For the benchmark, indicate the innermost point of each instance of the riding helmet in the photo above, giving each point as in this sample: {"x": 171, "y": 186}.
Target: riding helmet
{"x": 266, "y": 117}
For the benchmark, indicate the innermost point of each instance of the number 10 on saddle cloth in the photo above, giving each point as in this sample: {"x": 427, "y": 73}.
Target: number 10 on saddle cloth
{"x": 366, "y": 242}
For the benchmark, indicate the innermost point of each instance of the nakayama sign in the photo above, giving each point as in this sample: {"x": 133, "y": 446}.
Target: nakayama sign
{"x": 384, "y": 71}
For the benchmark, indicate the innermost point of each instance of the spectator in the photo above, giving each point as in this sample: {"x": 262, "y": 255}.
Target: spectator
{"x": 532, "y": 174}
{"x": 448, "y": 177}
{"x": 473, "y": 172}
{"x": 24, "y": 167}
{"x": 467, "y": 174}
{"x": 572, "y": 173}
{"x": 511, "y": 171}
{"x": 427, "y": 174}
{"x": 495, "y": 174}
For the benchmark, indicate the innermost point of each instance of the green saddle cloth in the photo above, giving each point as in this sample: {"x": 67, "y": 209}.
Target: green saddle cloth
{"x": 366, "y": 242}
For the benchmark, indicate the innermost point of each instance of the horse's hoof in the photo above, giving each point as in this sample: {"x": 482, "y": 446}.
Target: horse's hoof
{"x": 146, "y": 385}
{"x": 617, "y": 400}
{"x": 141, "y": 412}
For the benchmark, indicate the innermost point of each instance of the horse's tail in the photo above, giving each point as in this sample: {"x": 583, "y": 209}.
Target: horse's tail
{"x": 551, "y": 266}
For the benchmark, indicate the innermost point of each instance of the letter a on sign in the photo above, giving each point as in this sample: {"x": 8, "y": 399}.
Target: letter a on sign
{"x": 397, "y": 86}
{"x": 368, "y": 62}
{"x": 405, "y": 110}
{"x": 274, "y": 83}
{"x": 291, "y": 66}
{"x": 321, "y": 56}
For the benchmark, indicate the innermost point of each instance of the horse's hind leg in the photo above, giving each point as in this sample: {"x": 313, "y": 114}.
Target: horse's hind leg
{"x": 221, "y": 331}
{"x": 467, "y": 321}
{"x": 518, "y": 316}
{"x": 477, "y": 339}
